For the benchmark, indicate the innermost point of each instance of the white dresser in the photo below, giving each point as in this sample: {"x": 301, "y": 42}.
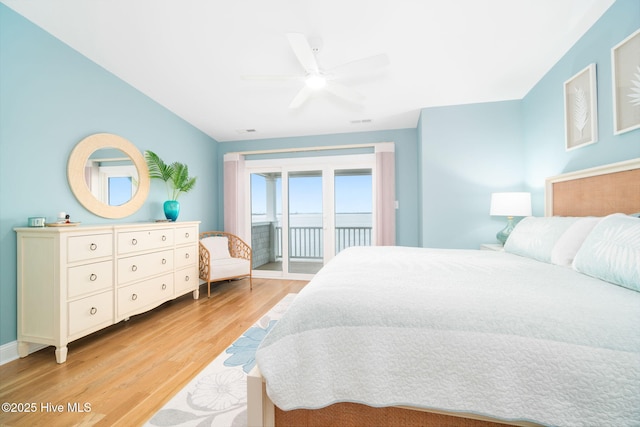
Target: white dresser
{"x": 73, "y": 281}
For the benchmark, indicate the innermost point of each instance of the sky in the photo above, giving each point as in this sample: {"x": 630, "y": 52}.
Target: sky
{"x": 353, "y": 194}
{"x": 120, "y": 190}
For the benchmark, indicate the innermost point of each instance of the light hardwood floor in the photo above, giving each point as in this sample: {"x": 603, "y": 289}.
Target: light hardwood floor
{"x": 126, "y": 372}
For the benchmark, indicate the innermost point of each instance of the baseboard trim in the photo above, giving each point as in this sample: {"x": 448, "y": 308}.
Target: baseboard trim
{"x": 9, "y": 351}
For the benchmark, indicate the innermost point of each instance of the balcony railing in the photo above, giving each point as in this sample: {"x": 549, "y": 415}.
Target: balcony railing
{"x": 352, "y": 236}
{"x": 304, "y": 242}
{"x": 307, "y": 242}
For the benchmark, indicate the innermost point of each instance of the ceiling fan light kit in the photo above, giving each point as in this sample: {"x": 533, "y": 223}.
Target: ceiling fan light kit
{"x": 315, "y": 79}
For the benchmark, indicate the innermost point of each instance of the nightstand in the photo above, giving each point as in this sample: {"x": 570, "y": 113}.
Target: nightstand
{"x": 491, "y": 247}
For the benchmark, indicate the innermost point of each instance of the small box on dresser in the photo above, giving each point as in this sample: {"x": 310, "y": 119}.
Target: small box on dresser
{"x": 73, "y": 281}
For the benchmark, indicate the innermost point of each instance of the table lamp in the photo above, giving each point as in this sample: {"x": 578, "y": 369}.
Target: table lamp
{"x": 510, "y": 205}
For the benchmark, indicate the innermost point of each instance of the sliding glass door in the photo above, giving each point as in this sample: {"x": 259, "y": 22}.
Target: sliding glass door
{"x": 353, "y": 190}
{"x": 306, "y": 211}
{"x": 266, "y": 220}
{"x": 306, "y": 222}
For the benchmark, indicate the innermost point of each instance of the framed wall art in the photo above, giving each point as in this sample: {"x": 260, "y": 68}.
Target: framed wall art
{"x": 580, "y": 109}
{"x": 625, "y": 63}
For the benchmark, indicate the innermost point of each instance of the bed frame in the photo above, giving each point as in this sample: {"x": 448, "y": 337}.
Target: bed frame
{"x": 597, "y": 191}
{"x": 591, "y": 192}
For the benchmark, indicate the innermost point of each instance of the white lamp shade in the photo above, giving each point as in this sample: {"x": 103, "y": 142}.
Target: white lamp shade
{"x": 510, "y": 204}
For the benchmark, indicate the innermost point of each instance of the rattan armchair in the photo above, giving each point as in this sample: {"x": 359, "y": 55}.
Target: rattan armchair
{"x": 223, "y": 256}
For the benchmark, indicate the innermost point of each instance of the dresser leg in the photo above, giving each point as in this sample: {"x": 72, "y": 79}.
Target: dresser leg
{"x": 61, "y": 354}
{"x": 23, "y": 348}
{"x": 196, "y": 294}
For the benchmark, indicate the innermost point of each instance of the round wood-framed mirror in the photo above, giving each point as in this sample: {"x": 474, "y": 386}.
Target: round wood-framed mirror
{"x": 94, "y": 196}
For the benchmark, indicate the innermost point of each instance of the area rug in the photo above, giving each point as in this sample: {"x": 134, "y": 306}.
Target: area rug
{"x": 217, "y": 396}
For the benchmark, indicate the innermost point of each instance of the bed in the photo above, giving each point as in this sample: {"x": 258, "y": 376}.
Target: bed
{"x": 543, "y": 333}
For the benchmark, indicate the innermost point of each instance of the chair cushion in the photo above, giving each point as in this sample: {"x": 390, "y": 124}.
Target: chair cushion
{"x": 229, "y": 267}
{"x": 218, "y": 246}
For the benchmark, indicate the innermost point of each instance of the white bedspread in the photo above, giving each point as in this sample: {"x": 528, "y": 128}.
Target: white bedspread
{"x": 480, "y": 332}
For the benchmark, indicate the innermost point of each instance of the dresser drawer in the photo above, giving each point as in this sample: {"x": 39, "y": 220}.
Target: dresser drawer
{"x": 141, "y": 296}
{"x": 88, "y": 247}
{"x": 90, "y": 314}
{"x": 186, "y": 280}
{"x": 186, "y": 235}
{"x": 89, "y": 278}
{"x": 186, "y": 256}
{"x": 142, "y": 266}
{"x": 137, "y": 241}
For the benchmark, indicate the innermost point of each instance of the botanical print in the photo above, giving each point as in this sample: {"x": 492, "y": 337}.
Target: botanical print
{"x": 625, "y": 61}
{"x": 635, "y": 89}
{"x": 244, "y": 349}
{"x": 217, "y": 397}
{"x": 219, "y": 392}
{"x": 580, "y": 109}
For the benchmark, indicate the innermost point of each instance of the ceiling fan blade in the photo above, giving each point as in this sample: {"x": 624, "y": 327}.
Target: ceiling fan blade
{"x": 344, "y": 92}
{"x": 303, "y": 52}
{"x": 301, "y": 97}
{"x": 361, "y": 66}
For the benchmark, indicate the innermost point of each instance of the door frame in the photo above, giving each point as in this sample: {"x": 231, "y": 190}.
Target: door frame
{"x": 327, "y": 165}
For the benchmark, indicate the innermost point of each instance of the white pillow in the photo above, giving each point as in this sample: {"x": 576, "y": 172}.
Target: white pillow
{"x": 611, "y": 252}
{"x": 567, "y": 246}
{"x": 535, "y": 237}
{"x": 218, "y": 246}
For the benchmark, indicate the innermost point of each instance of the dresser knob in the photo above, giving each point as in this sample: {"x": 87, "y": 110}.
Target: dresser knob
{"x": 93, "y": 311}
{"x": 186, "y": 255}
{"x": 134, "y": 242}
{"x": 93, "y": 277}
{"x": 134, "y": 268}
{"x": 93, "y": 246}
{"x": 164, "y": 286}
{"x": 186, "y": 235}
{"x": 164, "y": 238}
{"x": 134, "y": 297}
{"x": 186, "y": 278}
{"x": 164, "y": 261}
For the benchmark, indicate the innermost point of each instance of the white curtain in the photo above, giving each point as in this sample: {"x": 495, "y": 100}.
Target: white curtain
{"x": 234, "y": 194}
{"x": 386, "y": 194}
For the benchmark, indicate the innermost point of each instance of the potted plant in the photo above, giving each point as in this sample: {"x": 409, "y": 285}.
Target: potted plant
{"x": 176, "y": 177}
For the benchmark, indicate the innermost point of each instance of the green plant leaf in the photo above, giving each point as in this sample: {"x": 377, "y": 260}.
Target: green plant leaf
{"x": 157, "y": 167}
{"x": 175, "y": 175}
{"x": 181, "y": 181}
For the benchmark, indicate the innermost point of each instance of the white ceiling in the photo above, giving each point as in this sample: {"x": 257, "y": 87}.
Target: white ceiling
{"x": 189, "y": 55}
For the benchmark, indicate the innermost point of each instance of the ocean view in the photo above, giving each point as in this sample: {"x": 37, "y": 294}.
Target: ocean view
{"x": 352, "y": 193}
{"x": 315, "y": 219}
{"x": 352, "y": 229}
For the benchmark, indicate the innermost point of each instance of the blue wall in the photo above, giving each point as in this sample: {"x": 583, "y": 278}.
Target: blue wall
{"x": 51, "y": 98}
{"x": 543, "y": 107}
{"x": 406, "y": 169}
{"x": 466, "y": 153}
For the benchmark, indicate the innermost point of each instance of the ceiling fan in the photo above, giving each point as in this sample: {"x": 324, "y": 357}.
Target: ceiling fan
{"x": 315, "y": 78}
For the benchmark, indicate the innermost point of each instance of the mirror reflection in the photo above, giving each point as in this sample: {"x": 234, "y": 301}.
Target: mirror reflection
{"x": 111, "y": 176}
{"x": 108, "y": 175}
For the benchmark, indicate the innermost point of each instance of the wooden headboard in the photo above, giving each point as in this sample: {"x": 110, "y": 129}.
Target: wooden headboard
{"x": 598, "y": 191}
